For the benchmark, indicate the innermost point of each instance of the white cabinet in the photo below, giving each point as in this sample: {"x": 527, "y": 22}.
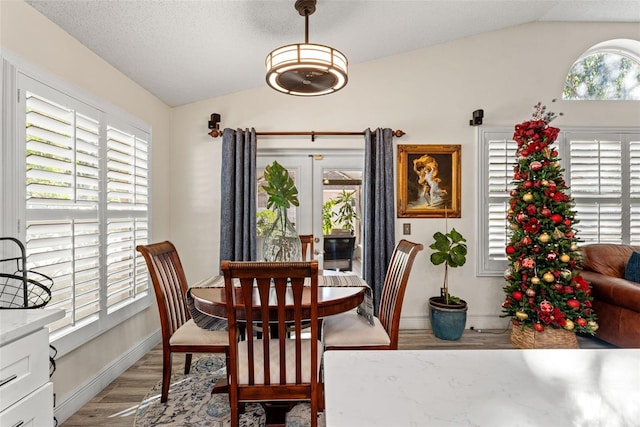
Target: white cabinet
{"x": 26, "y": 395}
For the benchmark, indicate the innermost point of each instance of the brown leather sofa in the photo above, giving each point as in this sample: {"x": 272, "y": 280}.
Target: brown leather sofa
{"x": 616, "y": 301}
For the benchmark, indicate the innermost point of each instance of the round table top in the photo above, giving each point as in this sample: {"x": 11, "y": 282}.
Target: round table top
{"x": 331, "y": 300}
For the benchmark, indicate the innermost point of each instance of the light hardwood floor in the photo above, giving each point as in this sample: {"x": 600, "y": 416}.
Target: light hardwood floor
{"x": 115, "y": 406}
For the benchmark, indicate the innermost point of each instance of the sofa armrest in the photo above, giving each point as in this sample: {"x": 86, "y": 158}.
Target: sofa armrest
{"x": 614, "y": 290}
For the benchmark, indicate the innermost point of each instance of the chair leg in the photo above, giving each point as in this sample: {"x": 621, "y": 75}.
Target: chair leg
{"x": 235, "y": 412}
{"x": 187, "y": 363}
{"x": 166, "y": 375}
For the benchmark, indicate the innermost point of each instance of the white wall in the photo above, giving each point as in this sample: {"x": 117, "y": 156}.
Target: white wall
{"x": 430, "y": 94}
{"x": 26, "y": 34}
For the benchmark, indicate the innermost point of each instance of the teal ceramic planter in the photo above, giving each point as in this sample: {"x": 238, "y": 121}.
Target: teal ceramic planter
{"x": 447, "y": 321}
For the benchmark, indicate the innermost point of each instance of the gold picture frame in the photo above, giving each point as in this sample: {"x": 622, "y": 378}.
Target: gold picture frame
{"x": 429, "y": 181}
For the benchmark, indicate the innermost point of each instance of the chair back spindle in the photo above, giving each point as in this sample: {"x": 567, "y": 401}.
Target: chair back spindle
{"x": 306, "y": 240}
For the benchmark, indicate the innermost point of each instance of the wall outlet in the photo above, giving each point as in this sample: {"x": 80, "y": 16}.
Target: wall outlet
{"x": 406, "y": 229}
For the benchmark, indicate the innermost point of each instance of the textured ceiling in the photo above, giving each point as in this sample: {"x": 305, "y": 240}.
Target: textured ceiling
{"x": 186, "y": 51}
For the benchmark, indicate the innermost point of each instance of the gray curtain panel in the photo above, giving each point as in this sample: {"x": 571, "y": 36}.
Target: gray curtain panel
{"x": 238, "y": 195}
{"x": 379, "y": 209}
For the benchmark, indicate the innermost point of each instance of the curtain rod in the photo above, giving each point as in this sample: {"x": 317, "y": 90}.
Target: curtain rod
{"x": 397, "y": 133}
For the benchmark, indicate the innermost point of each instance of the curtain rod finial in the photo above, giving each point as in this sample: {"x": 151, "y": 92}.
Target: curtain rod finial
{"x": 398, "y": 133}
{"x": 215, "y": 133}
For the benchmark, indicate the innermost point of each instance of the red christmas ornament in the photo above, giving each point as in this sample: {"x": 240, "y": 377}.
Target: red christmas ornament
{"x": 510, "y": 250}
{"x": 557, "y": 218}
{"x": 567, "y": 222}
{"x": 545, "y": 212}
{"x": 546, "y": 307}
{"x": 517, "y": 295}
{"x": 582, "y": 322}
{"x": 573, "y": 303}
{"x": 538, "y": 327}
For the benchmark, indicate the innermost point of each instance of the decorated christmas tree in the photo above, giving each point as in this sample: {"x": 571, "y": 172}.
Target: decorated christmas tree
{"x": 544, "y": 286}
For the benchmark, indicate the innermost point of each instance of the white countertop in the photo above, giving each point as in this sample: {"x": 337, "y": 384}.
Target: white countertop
{"x": 493, "y": 388}
{"x": 17, "y": 323}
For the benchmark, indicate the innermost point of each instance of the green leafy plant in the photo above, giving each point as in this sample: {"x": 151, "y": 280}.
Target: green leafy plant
{"x": 327, "y": 216}
{"x": 346, "y": 216}
{"x": 280, "y": 187}
{"x": 450, "y": 249}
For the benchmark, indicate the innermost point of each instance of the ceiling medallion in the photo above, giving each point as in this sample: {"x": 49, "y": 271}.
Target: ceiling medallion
{"x": 306, "y": 69}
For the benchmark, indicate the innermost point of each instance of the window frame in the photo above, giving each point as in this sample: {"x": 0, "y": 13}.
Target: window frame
{"x": 15, "y": 75}
{"x": 624, "y": 48}
{"x": 487, "y": 266}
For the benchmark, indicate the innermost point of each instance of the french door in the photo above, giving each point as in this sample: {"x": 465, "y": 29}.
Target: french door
{"x": 319, "y": 175}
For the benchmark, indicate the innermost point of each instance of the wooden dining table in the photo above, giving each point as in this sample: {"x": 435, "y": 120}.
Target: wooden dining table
{"x": 336, "y": 294}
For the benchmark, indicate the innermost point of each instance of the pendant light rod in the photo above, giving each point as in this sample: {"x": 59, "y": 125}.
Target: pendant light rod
{"x": 306, "y": 27}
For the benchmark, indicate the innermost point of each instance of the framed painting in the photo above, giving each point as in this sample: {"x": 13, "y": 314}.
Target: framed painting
{"x": 429, "y": 181}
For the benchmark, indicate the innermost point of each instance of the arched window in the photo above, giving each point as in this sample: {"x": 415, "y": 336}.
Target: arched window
{"x": 608, "y": 71}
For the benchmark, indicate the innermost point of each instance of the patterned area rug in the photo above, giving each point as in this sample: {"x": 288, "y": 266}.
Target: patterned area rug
{"x": 191, "y": 403}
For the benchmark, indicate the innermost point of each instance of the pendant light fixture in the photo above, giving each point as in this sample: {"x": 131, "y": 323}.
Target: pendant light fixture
{"x": 306, "y": 69}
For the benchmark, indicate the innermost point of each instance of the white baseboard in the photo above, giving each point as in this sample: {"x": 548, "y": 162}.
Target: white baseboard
{"x": 83, "y": 394}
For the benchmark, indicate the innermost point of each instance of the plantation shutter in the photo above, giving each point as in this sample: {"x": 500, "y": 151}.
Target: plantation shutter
{"x": 499, "y": 160}
{"x": 596, "y": 182}
{"x": 62, "y": 200}
{"x": 127, "y": 225}
{"x": 634, "y": 188}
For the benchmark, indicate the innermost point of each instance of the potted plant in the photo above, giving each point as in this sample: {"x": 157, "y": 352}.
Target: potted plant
{"x": 347, "y": 216}
{"x": 281, "y": 241}
{"x": 448, "y": 313}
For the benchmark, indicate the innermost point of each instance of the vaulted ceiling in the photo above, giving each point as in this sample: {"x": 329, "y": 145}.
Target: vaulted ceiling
{"x": 186, "y": 51}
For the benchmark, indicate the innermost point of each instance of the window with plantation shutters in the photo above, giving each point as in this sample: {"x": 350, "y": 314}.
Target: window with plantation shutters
{"x": 602, "y": 169}
{"x": 81, "y": 174}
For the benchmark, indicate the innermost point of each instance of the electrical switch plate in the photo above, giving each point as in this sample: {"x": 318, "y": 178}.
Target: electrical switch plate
{"x": 406, "y": 229}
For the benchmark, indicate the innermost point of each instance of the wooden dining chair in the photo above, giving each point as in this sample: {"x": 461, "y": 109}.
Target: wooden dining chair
{"x": 307, "y": 246}
{"x": 346, "y": 331}
{"x": 180, "y": 334}
{"x": 273, "y": 369}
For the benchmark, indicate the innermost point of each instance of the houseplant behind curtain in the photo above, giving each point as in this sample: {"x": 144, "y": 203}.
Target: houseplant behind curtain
{"x": 238, "y": 195}
{"x": 379, "y": 210}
